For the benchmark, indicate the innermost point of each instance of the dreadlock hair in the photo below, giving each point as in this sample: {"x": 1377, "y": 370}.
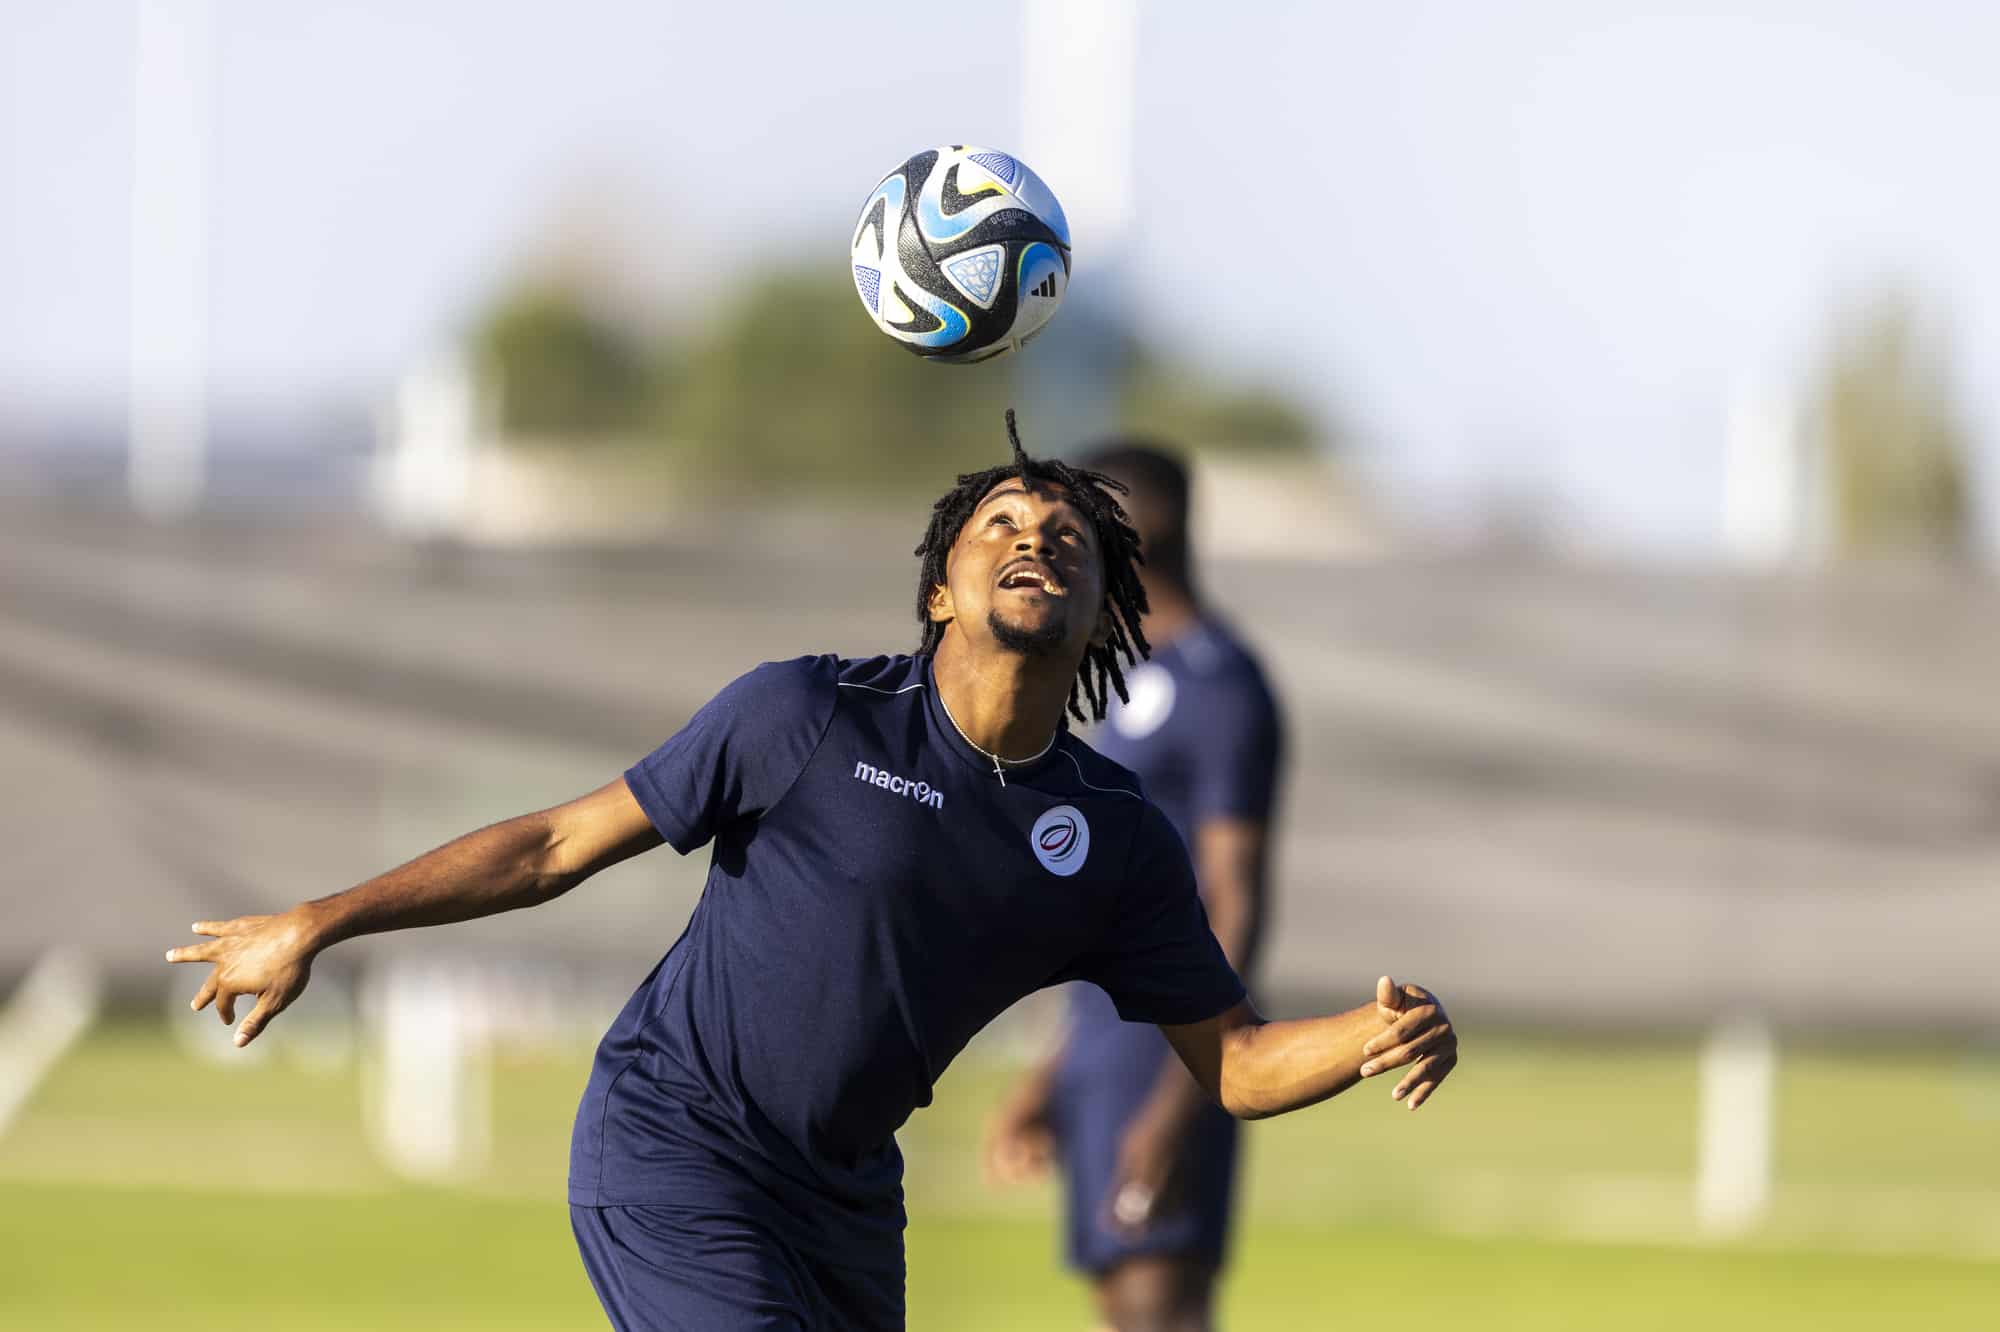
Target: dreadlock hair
{"x": 1096, "y": 495}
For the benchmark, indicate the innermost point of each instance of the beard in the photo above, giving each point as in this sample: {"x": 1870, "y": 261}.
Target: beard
{"x": 1046, "y": 641}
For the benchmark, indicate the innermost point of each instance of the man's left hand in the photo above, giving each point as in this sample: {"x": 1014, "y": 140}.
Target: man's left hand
{"x": 1419, "y": 1033}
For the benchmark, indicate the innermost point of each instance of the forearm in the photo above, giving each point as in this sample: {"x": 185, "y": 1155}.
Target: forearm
{"x": 506, "y": 866}
{"x": 1269, "y": 1068}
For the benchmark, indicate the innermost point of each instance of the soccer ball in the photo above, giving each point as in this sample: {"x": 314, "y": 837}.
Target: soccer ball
{"x": 961, "y": 254}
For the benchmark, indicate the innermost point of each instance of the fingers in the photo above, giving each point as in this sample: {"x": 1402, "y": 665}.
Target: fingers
{"x": 1410, "y": 1050}
{"x": 216, "y": 930}
{"x": 269, "y": 1005}
{"x": 1441, "y": 1067}
{"x": 1419, "y": 1034}
{"x": 222, "y": 927}
{"x": 1016, "y": 1159}
{"x": 1412, "y": 1022}
{"x": 1002, "y": 1160}
{"x": 1416, "y": 1077}
{"x": 205, "y": 995}
{"x": 201, "y": 952}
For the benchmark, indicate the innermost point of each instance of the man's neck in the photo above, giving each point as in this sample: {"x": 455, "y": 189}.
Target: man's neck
{"x": 1005, "y": 703}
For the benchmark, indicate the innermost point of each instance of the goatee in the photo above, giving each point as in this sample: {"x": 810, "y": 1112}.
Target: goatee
{"x": 1046, "y": 641}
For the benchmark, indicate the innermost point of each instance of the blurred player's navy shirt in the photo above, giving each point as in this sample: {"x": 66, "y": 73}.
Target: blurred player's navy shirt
{"x": 1202, "y": 730}
{"x": 876, "y": 896}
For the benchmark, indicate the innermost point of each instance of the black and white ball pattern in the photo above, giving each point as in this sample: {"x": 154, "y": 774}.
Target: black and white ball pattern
{"x": 961, "y": 254}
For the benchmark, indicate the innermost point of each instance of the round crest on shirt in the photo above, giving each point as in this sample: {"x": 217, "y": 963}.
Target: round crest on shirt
{"x": 1150, "y": 701}
{"x": 1060, "y": 839}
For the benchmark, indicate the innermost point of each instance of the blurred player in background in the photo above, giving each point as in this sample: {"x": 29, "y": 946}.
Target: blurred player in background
{"x": 1149, "y": 1162}
{"x": 904, "y": 846}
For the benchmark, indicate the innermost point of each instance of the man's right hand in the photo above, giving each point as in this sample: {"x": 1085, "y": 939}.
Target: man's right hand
{"x": 267, "y": 957}
{"x": 519, "y": 862}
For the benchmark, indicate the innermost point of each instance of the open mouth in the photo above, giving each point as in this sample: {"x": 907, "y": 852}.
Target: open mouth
{"x": 1027, "y": 575}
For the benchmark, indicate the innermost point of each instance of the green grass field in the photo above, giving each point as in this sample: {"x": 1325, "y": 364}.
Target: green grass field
{"x": 1549, "y": 1188}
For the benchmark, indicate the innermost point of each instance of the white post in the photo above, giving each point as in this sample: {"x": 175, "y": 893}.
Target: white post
{"x": 1079, "y": 63}
{"x": 1079, "y": 76}
{"x": 424, "y": 470}
{"x": 429, "y": 1097}
{"x": 172, "y": 90}
{"x": 1733, "y": 1171}
{"x": 49, "y": 1013}
{"x": 1765, "y": 518}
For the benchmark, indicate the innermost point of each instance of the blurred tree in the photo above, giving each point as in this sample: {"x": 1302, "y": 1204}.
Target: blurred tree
{"x": 1894, "y": 450}
{"x": 795, "y": 386}
{"x": 788, "y": 386}
{"x": 1179, "y": 402}
{"x": 791, "y": 387}
{"x": 557, "y": 367}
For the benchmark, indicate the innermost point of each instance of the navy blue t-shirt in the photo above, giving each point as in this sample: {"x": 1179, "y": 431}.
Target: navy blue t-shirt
{"x": 876, "y": 895}
{"x": 1203, "y": 731}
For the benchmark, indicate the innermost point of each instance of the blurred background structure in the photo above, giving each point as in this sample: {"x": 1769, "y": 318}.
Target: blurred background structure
{"x": 409, "y": 414}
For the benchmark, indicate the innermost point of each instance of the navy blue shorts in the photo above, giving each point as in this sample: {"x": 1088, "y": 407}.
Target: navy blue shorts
{"x": 1108, "y": 1071}
{"x": 664, "y": 1267}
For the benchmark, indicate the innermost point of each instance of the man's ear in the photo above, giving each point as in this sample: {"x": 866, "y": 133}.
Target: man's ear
{"x": 1101, "y": 633}
{"x": 940, "y": 607}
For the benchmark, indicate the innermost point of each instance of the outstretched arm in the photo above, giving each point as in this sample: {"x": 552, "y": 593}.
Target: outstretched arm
{"x": 1256, "y": 1069}
{"x": 522, "y": 862}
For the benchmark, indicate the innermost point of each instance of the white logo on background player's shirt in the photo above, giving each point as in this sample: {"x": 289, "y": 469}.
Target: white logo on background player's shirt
{"x": 1150, "y": 694}
{"x": 1060, "y": 839}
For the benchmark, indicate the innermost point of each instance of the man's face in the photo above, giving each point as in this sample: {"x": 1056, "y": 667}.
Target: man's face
{"x": 1025, "y": 574}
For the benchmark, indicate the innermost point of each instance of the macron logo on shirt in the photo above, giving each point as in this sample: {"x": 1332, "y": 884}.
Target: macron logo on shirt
{"x": 921, "y": 792}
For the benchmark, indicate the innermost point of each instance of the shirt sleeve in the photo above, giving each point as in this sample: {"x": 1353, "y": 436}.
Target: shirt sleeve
{"x": 1236, "y": 769}
{"x": 739, "y": 754}
{"x": 1159, "y": 960}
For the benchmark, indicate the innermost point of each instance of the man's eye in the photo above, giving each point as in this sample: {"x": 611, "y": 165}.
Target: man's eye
{"x": 1000, "y": 518}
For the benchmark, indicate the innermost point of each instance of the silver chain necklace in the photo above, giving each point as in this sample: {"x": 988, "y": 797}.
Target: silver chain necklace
{"x": 992, "y": 757}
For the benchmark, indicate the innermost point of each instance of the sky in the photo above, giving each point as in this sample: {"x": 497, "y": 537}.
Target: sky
{"x": 1530, "y": 251}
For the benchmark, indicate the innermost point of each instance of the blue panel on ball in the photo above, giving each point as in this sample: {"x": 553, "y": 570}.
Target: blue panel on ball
{"x": 1038, "y": 261}
{"x": 868, "y": 281}
{"x": 999, "y": 164}
{"x": 953, "y": 323}
{"x": 978, "y": 273}
{"x": 938, "y": 228}
{"x": 891, "y": 192}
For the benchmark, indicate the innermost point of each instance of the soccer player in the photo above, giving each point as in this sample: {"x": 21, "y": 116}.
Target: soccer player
{"x": 903, "y": 846}
{"x": 1148, "y": 1161}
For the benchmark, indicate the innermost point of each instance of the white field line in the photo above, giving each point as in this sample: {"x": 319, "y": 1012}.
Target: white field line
{"x": 49, "y": 1012}
{"x": 1604, "y": 1207}
{"x": 1584, "y": 1207}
